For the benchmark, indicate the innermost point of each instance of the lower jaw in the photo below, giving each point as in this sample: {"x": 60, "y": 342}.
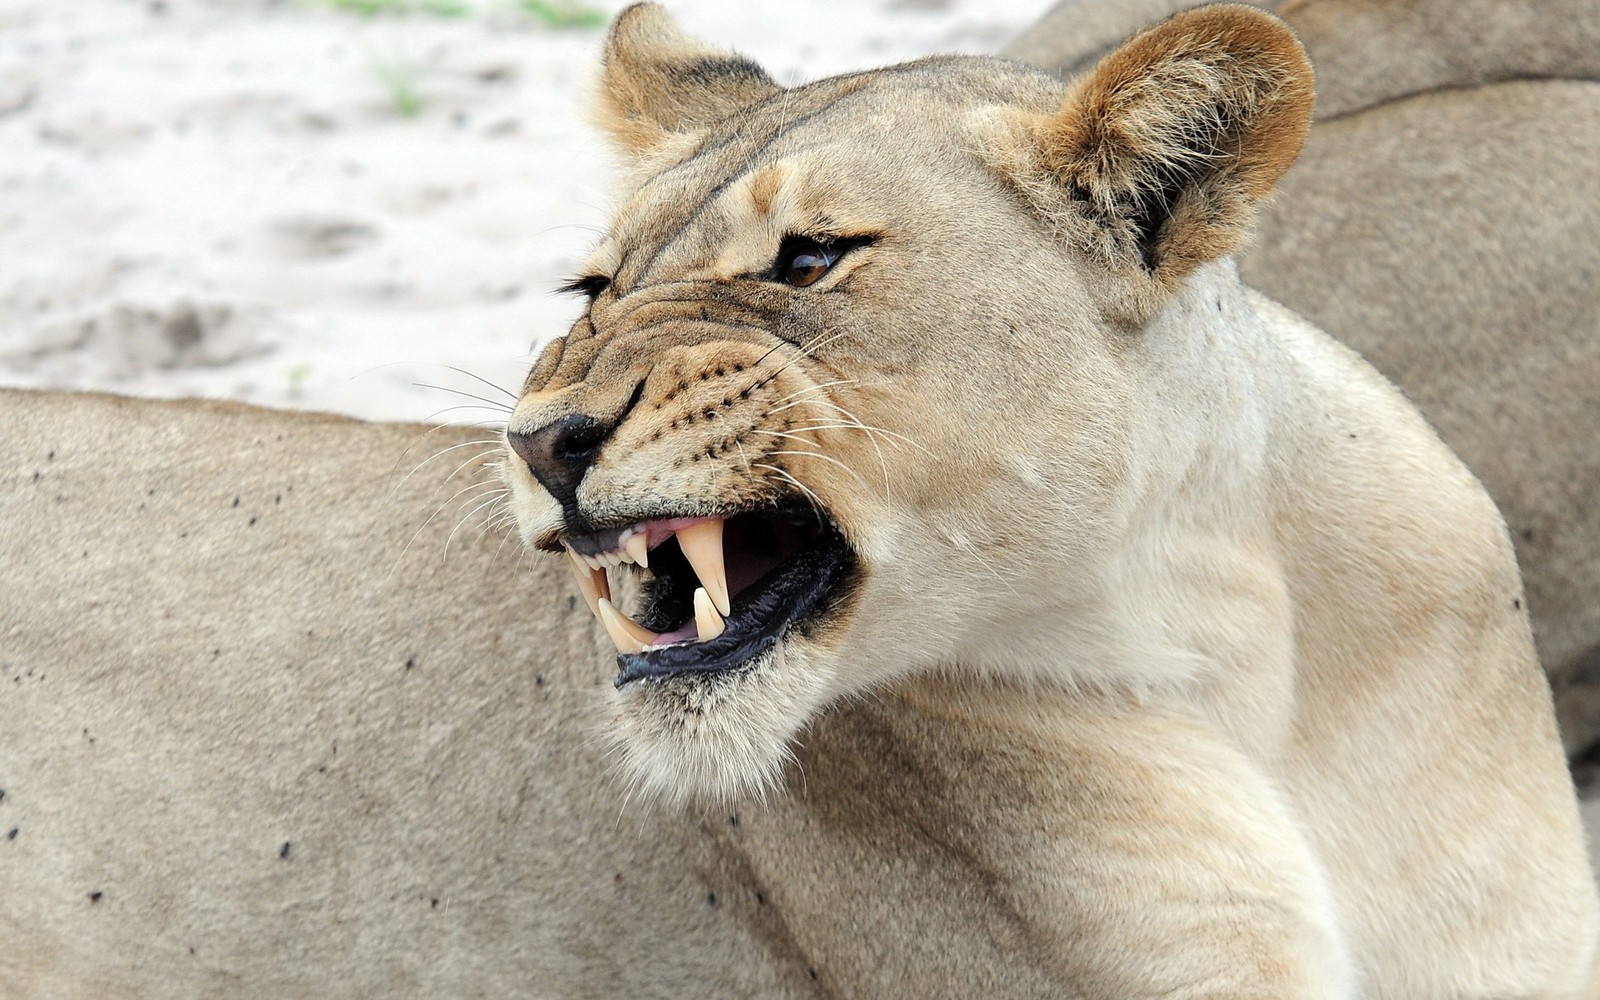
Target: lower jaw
{"x": 715, "y": 737}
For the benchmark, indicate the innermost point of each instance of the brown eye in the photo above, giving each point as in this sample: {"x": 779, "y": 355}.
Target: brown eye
{"x": 802, "y": 262}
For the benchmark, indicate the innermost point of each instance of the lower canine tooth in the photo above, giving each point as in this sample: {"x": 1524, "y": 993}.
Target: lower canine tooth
{"x": 628, "y": 635}
{"x": 638, "y": 549}
{"x": 592, "y": 583}
{"x": 707, "y": 622}
{"x": 702, "y": 546}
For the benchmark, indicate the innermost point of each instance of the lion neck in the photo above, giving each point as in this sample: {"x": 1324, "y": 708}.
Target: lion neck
{"x": 1186, "y": 596}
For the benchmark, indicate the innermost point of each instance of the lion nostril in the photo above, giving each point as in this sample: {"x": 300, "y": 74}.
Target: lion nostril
{"x": 580, "y": 443}
{"x": 560, "y": 453}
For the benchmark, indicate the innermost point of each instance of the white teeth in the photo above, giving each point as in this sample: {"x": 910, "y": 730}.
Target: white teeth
{"x": 702, "y": 546}
{"x": 637, "y": 548}
{"x": 592, "y": 583}
{"x": 707, "y": 623}
{"x": 628, "y": 635}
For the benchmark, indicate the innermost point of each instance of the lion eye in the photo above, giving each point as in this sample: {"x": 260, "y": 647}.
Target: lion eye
{"x": 801, "y": 261}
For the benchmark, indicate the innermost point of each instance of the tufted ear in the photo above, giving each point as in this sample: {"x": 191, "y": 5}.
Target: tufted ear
{"x": 656, "y": 81}
{"x": 1159, "y": 155}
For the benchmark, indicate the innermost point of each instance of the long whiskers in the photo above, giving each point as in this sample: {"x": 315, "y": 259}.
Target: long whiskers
{"x": 487, "y": 484}
{"x": 816, "y": 501}
{"x": 829, "y": 458}
{"x": 480, "y": 378}
{"x": 819, "y": 387}
{"x": 495, "y": 407}
{"x": 441, "y": 453}
{"x": 493, "y": 498}
{"x": 802, "y": 351}
{"x": 478, "y": 458}
{"x": 493, "y": 404}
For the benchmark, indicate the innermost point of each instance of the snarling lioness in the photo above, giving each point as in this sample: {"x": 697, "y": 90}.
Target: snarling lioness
{"x": 937, "y": 383}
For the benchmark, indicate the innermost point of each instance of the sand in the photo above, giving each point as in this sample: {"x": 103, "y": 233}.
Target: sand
{"x": 297, "y": 205}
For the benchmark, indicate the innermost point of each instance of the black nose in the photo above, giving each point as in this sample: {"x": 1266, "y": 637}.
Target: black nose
{"x": 559, "y": 454}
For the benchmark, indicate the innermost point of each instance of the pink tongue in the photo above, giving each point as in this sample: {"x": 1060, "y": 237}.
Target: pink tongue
{"x": 685, "y": 634}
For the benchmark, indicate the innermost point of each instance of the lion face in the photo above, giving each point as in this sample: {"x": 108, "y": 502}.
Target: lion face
{"x": 845, "y": 403}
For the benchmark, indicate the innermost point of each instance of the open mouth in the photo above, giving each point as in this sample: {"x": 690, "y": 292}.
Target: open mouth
{"x": 718, "y": 591}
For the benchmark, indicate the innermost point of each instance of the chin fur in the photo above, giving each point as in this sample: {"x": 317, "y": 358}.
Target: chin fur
{"x": 715, "y": 737}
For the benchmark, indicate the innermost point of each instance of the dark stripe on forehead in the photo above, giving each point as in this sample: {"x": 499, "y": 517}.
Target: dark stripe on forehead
{"x": 839, "y": 90}
{"x": 972, "y": 79}
{"x": 943, "y": 69}
{"x": 745, "y": 163}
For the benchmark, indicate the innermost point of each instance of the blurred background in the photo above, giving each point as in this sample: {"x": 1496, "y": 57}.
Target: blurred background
{"x": 335, "y": 204}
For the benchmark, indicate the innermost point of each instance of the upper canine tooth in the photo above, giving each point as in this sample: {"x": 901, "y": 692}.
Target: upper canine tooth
{"x": 638, "y": 549}
{"x": 702, "y": 546}
{"x": 707, "y": 623}
{"x": 592, "y": 583}
{"x": 628, "y": 635}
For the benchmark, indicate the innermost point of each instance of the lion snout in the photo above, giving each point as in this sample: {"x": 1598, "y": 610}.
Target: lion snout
{"x": 561, "y": 452}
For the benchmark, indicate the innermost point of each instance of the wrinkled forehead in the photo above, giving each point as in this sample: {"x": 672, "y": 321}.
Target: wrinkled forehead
{"x": 830, "y": 158}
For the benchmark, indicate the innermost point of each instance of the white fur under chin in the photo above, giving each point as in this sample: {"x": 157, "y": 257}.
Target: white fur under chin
{"x": 711, "y": 737}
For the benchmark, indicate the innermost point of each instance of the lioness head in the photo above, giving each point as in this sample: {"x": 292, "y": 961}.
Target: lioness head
{"x": 857, "y": 390}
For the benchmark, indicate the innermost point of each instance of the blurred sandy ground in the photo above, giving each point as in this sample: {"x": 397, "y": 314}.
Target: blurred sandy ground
{"x": 295, "y": 204}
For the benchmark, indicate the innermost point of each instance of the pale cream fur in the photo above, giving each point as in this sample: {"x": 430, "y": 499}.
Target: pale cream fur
{"x": 1440, "y": 223}
{"x": 1063, "y": 795}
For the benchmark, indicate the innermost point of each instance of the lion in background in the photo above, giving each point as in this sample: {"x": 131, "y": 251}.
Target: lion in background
{"x": 403, "y": 808}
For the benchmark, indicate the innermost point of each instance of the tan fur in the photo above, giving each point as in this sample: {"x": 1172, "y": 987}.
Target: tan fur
{"x": 651, "y": 103}
{"x": 1228, "y": 104}
{"x": 1367, "y": 52}
{"x": 1440, "y": 222}
{"x": 294, "y": 757}
{"x": 1042, "y": 813}
{"x": 1121, "y": 476}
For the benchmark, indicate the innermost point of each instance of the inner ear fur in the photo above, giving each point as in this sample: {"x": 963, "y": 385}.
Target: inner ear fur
{"x": 1165, "y": 148}
{"x": 657, "y": 82}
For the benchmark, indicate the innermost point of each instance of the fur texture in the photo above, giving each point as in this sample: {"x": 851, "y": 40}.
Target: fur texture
{"x": 227, "y": 777}
{"x": 1439, "y": 222}
{"x": 1120, "y": 478}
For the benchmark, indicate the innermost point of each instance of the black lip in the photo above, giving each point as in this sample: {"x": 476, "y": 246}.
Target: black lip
{"x": 789, "y": 597}
{"x": 595, "y": 542}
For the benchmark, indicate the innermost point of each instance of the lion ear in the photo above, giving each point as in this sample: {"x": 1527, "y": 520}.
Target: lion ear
{"x": 656, "y": 81}
{"x": 1167, "y": 146}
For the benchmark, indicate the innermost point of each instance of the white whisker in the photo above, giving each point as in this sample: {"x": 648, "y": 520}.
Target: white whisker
{"x": 816, "y": 501}
{"x": 493, "y": 498}
{"x": 419, "y": 439}
{"x": 785, "y": 434}
{"x": 491, "y": 403}
{"x": 471, "y": 423}
{"x": 422, "y": 527}
{"x": 437, "y": 454}
{"x": 479, "y": 458}
{"x": 819, "y": 387}
{"x": 480, "y": 378}
{"x": 826, "y": 458}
